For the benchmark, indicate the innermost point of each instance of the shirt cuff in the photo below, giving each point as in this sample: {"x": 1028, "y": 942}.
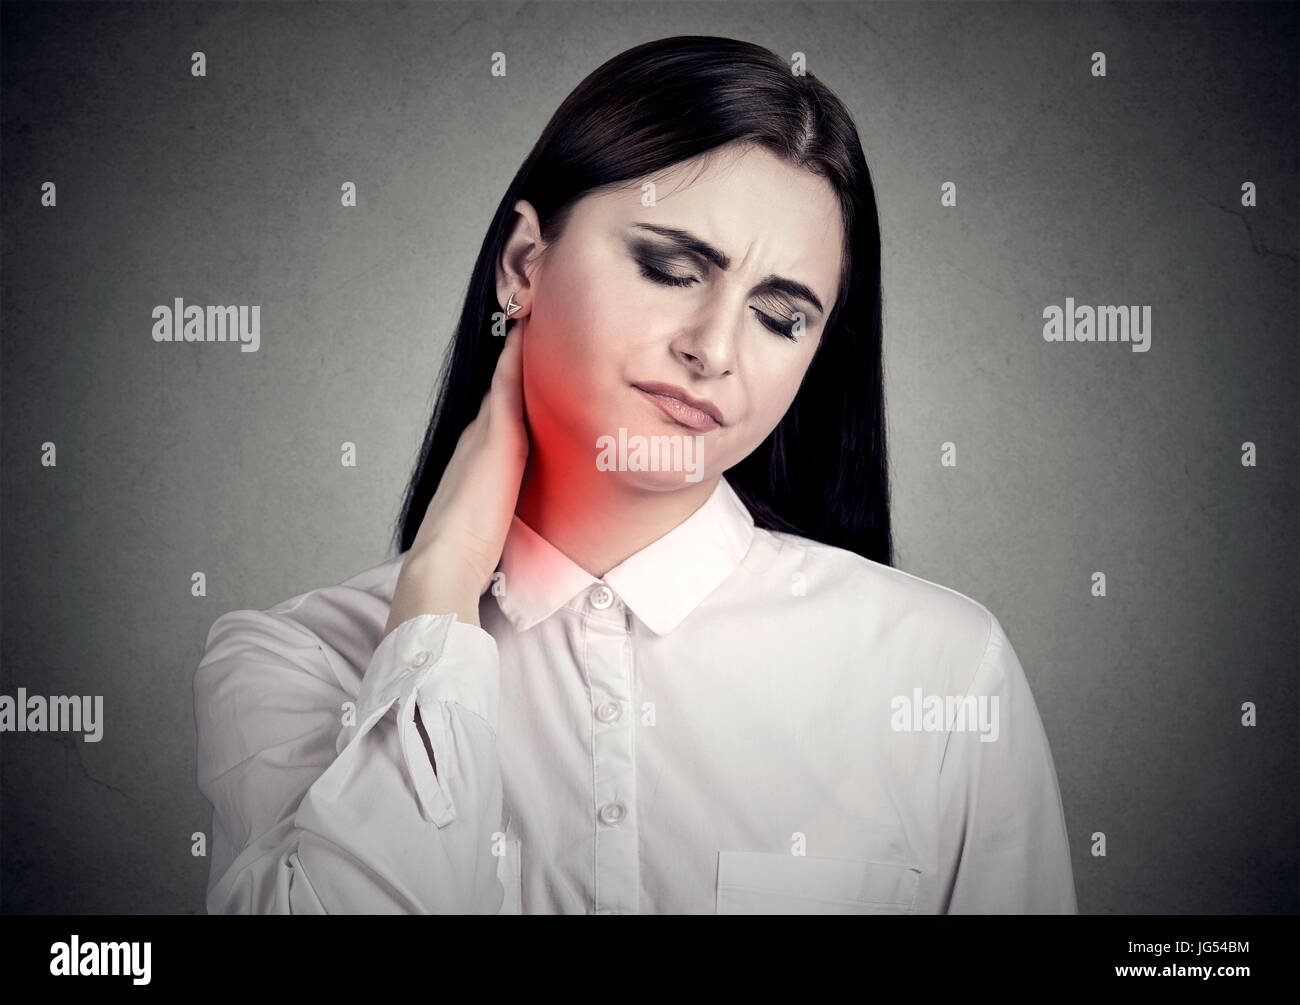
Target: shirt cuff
{"x": 427, "y": 660}
{"x": 466, "y": 672}
{"x": 410, "y": 649}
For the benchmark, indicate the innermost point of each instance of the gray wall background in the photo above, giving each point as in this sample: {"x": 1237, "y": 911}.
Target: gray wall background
{"x": 1071, "y": 457}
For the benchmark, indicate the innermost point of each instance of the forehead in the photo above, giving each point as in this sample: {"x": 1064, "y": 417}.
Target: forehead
{"x": 765, "y": 214}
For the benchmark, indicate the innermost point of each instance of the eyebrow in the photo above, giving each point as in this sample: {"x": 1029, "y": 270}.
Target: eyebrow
{"x": 689, "y": 242}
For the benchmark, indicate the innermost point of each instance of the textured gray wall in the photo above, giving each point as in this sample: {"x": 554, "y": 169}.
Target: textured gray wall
{"x": 1071, "y": 457}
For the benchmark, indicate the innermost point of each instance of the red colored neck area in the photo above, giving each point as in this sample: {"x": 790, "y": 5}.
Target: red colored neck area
{"x": 598, "y": 518}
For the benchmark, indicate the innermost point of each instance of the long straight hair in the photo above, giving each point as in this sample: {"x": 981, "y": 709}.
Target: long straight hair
{"x": 822, "y": 472}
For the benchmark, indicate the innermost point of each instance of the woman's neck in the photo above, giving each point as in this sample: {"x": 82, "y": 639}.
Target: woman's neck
{"x": 595, "y": 518}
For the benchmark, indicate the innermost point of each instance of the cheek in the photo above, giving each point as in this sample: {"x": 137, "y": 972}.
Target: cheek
{"x": 769, "y": 399}
{"x": 580, "y": 341}
{"x": 557, "y": 362}
{"x": 574, "y": 325}
{"x": 773, "y": 392}
{"x": 564, "y": 386}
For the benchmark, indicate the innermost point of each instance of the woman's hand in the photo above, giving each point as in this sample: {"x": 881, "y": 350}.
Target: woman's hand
{"x": 463, "y": 533}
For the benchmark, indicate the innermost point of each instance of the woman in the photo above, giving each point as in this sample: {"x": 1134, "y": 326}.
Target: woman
{"x": 642, "y": 648}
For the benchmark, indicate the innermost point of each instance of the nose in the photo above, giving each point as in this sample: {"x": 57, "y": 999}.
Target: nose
{"x": 708, "y": 344}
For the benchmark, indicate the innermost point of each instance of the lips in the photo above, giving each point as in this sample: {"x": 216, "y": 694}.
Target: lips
{"x": 697, "y": 414}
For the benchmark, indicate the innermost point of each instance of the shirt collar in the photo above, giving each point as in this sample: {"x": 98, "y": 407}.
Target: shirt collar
{"x": 661, "y": 584}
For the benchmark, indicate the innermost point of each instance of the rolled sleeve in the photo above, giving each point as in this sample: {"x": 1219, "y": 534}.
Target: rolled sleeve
{"x": 428, "y": 661}
{"x": 311, "y": 816}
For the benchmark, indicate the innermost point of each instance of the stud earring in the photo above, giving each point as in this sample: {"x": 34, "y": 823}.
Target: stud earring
{"x": 511, "y": 306}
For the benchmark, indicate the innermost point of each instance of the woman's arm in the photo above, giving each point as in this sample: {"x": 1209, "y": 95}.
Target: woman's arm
{"x": 1003, "y": 843}
{"x": 311, "y": 815}
{"x": 319, "y": 809}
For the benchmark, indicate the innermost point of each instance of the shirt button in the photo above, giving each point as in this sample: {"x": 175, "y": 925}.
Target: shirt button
{"x": 608, "y": 712}
{"x": 421, "y": 658}
{"x": 602, "y": 597}
{"x": 612, "y": 813}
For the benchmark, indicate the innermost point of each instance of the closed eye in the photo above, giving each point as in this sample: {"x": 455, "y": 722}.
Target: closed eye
{"x": 650, "y": 272}
{"x": 784, "y": 326}
{"x": 781, "y": 326}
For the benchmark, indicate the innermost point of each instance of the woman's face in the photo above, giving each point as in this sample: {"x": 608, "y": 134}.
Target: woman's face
{"x": 623, "y": 300}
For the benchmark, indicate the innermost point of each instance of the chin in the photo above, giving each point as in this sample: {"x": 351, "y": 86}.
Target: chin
{"x": 663, "y": 481}
{"x": 668, "y": 480}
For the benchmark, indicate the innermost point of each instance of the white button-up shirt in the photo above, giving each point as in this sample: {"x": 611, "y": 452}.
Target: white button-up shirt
{"x": 730, "y": 721}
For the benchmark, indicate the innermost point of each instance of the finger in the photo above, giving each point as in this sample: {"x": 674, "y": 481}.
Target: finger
{"x": 507, "y": 380}
{"x": 508, "y": 363}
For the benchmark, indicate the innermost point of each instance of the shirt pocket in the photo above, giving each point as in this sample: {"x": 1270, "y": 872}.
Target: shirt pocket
{"x": 510, "y": 872}
{"x": 768, "y": 883}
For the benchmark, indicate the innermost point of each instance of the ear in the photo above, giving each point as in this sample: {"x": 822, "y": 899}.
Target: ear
{"x": 517, "y": 265}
